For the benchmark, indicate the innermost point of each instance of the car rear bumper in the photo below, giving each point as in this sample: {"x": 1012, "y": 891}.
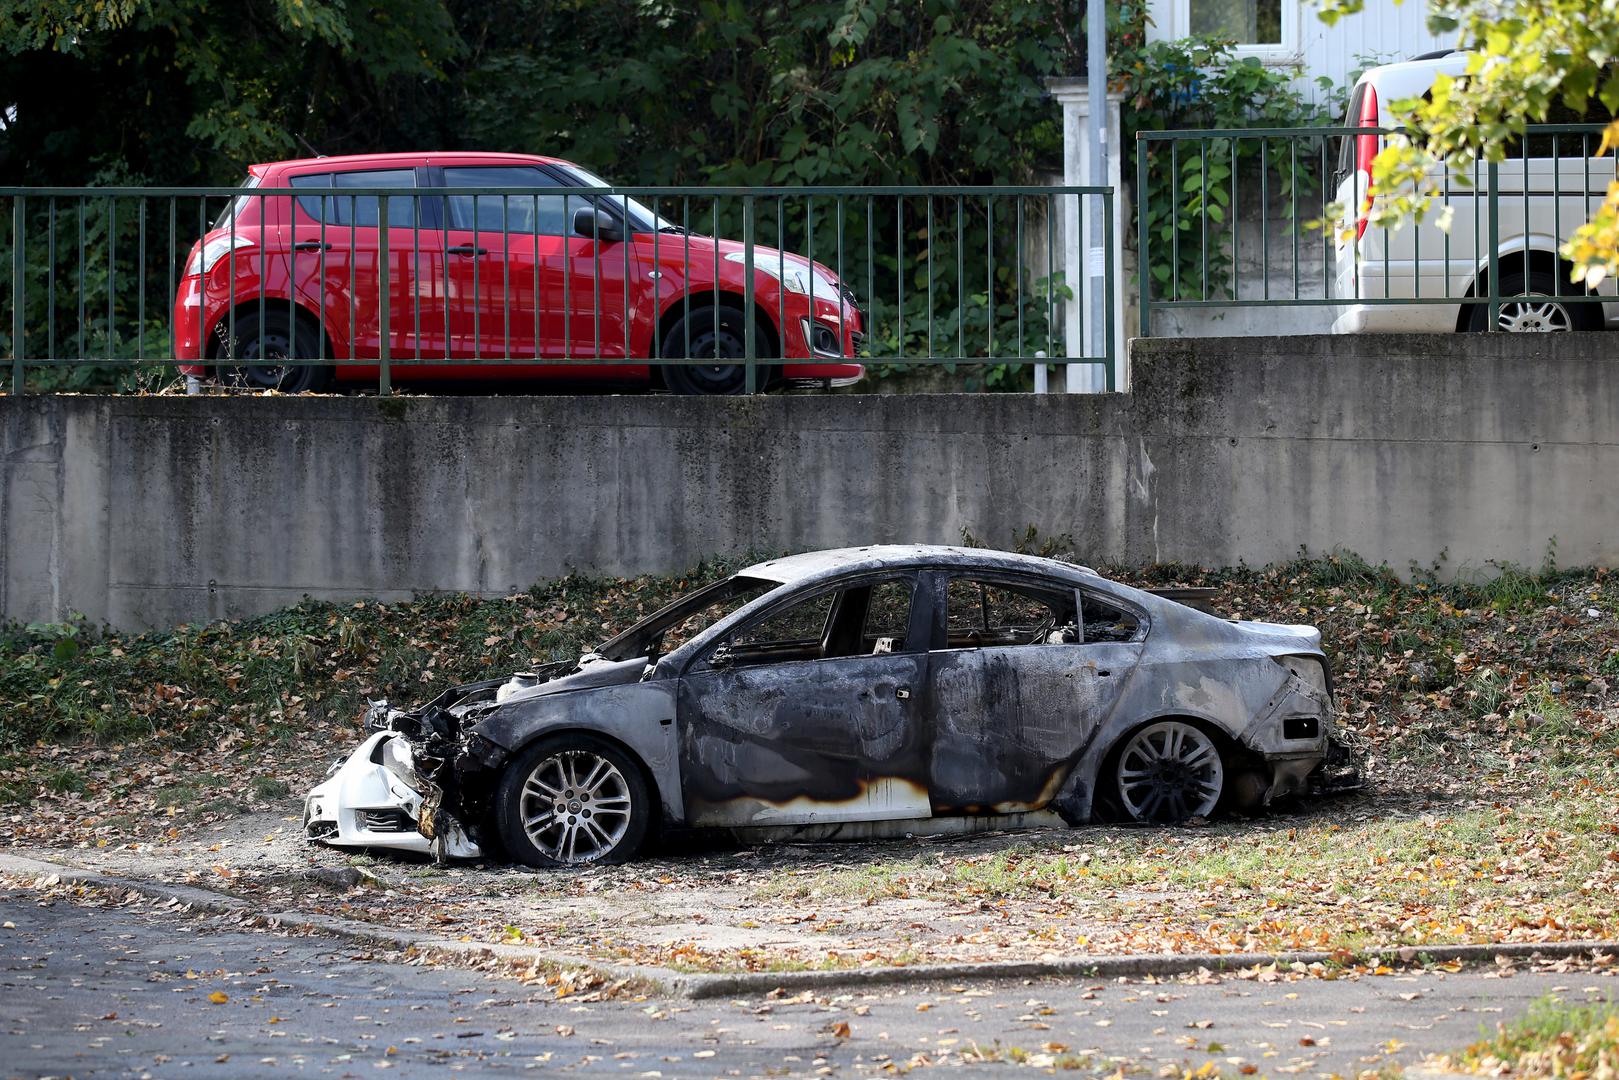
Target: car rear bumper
{"x": 1438, "y": 318}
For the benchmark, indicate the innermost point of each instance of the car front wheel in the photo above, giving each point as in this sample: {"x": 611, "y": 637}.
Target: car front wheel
{"x": 264, "y": 345}
{"x": 572, "y": 800}
{"x": 719, "y": 335}
{"x": 1169, "y": 771}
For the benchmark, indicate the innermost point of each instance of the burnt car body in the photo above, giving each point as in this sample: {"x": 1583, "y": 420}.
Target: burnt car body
{"x": 852, "y": 692}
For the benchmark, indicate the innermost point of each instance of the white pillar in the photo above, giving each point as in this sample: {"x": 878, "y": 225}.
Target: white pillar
{"x": 1072, "y": 94}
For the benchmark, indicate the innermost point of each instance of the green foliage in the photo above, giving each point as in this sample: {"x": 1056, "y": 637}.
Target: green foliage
{"x": 185, "y": 91}
{"x": 646, "y": 92}
{"x": 1197, "y": 83}
{"x": 723, "y": 91}
{"x": 1555, "y": 1038}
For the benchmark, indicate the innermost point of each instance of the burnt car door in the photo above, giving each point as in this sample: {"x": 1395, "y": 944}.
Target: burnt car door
{"x": 1024, "y": 671}
{"x": 809, "y": 712}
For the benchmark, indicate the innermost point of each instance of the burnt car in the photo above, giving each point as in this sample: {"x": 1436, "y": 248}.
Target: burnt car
{"x": 852, "y": 692}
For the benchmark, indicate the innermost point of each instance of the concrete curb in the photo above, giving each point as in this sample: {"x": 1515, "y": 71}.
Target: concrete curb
{"x": 697, "y": 986}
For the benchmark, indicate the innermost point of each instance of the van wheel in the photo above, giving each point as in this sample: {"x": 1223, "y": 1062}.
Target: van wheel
{"x": 1534, "y": 309}
{"x": 266, "y": 346}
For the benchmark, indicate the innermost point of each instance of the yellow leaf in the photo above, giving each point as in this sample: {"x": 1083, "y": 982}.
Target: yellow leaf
{"x": 219, "y": 997}
{"x": 1610, "y": 138}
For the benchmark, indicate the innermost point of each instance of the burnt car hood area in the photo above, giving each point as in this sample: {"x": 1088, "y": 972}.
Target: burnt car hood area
{"x": 853, "y": 692}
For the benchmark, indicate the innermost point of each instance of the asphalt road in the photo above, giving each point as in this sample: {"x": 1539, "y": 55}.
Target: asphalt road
{"x": 120, "y": 992}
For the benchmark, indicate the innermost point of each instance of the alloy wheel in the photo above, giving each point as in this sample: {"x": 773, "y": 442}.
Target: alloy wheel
{"x": 1170, "y": 771}
{"x": 576, "y": 806}
{"x": 1531, "y": 317}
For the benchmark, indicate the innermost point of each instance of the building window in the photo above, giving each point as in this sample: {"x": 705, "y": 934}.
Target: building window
{"x": 1247, "y": 22}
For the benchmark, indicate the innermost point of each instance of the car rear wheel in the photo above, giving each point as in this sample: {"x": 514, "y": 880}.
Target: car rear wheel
{"x": 1535, "y": 309}
{"x": 1169, "y": 771}
{"x": 572, "y": 800}
{"x": 718, "y": 333}
{"x": 265, "y": 346}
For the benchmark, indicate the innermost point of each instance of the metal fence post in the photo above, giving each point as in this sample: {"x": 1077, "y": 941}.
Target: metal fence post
{"x": 1108, "y": 270}
{"x": 751, "y": 384}
{"x": 18, "y": 292}
{"x": 383, "y": 289}
{"x": 1143, "y": 265}
{"x": 1495, "y": 244}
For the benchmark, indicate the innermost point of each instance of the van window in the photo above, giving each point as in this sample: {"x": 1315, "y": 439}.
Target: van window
{"x": 1346, "y": 144}
{"x": 1567, "y": 144}
{"x": 336, "y": 208}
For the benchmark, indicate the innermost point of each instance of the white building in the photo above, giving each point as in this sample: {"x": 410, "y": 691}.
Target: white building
{"x": 1285, "y": 34}
{"x": 1288, "y": 34}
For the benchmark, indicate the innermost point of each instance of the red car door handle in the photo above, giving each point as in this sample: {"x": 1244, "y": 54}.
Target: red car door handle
{"x": 311, "y": 245}
{"x": 468, "y": 249}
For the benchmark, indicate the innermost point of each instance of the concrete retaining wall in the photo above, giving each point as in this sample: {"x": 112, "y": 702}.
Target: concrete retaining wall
{"x": 153, "y": 511}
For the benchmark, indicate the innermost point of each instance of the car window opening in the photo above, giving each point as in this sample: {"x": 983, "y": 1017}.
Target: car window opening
{"x": 992, "y": 614}
{"x": 866, "y": 619}
{"x": 1104, "y": 622}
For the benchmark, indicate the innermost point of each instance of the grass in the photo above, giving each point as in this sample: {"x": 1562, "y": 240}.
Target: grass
{"x": 1483, "y": 698}
{"x": 316, "y": 663}
{"x": 1479, "y": 870}
{"x": 1555, "y": 1039}
{"x": 191, "y": 793}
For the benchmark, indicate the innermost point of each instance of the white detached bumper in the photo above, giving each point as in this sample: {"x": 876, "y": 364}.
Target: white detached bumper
{"x": 374, "y": 798}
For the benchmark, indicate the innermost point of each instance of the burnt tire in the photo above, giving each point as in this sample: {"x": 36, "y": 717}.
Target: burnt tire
{"x": 1165, "y": 772}
{"x": 261, "y": 350}
{"x": 719, "y": 333}
{"x": 572, "y": 800}
{"x": 1536, "y": 309}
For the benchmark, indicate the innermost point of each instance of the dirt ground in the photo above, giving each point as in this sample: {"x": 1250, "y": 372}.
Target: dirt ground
{"x": 1308, "y": 876}
{"x": 698, "y": 903}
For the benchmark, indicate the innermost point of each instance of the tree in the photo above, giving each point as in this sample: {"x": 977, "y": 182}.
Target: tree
{"x": 1528, "y": 57}
{"x": 191, "y": 91}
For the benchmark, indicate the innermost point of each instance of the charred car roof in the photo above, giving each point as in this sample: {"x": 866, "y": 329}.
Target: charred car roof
{"x": 836, "y": 562}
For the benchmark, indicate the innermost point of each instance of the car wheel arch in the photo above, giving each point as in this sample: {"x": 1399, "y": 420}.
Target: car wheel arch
{"x": 676, "y": 306}
{"x": 1523, "y": 259}
{"x": 1097, "y": 779}
{"x": 668, "y": 807}
{"x": 273, "y": 305}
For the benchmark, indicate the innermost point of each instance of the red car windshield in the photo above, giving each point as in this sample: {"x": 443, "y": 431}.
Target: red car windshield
{"x": 642, "y": 219}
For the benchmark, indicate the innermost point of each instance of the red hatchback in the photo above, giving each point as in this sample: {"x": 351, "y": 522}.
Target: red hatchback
{"x": 537, "y": 282}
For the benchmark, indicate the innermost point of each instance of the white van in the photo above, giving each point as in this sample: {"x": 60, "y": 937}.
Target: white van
{"x": 1543, "y": 197}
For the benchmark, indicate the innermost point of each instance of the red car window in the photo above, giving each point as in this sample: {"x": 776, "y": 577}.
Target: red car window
{"x": 336, "y": 208}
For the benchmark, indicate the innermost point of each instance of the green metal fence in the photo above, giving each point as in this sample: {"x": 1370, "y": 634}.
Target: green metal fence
{"x": 1277, "y": 217}
{"x": 719, "y": 289}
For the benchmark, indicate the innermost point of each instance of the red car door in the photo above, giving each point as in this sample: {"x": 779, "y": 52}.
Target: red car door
{"x": 336, "y": 256}
{"x": 521, "y": 284}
